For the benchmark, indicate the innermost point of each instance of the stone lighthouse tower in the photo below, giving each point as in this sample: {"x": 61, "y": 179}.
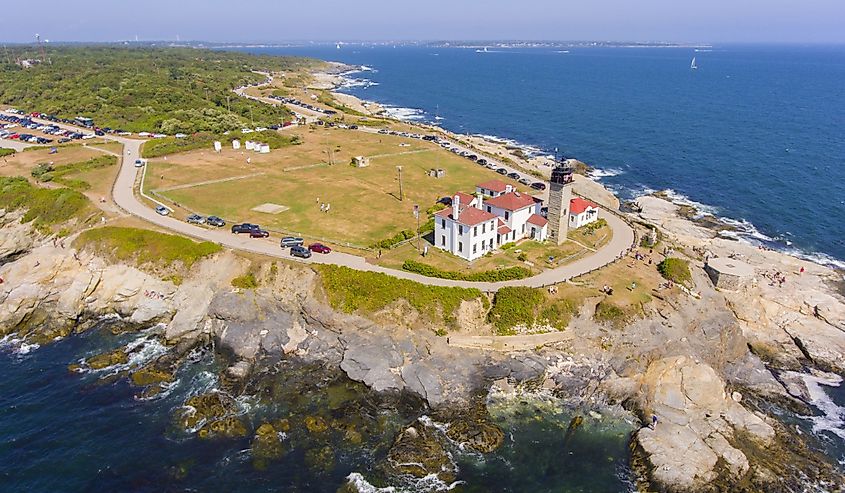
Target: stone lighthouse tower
{"x": 560, "y": 193}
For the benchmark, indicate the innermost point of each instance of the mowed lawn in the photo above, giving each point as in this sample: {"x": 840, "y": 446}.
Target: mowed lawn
{"x": 365, "y": 204}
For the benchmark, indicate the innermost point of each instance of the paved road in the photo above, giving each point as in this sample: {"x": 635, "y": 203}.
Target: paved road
{"x": 124, "y": 196}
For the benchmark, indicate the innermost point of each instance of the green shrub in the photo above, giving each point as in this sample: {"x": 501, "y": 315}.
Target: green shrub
{"x": 507, "y": 274}
{"x": 351, "y": 290}
{"x": 45, "y": 207}
{"x": 508, "y": 246}
{"x": 246, "y": 281}
{"x": 607, "y": 312}
{"x": 558, "y": 314}
{"x": 6, "y": 152}
{"x": 145, "y": 246}
{"x": 675, "y": 270}
{"x": 143, "y": 88}
{"x": 595, "y": 225}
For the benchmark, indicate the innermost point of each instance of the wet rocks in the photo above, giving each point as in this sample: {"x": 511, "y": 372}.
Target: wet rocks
{"x": 104, "y": 360}
{"x": 419, "y": 451}
{"x": 316, "y": 424}
{"x": 479, "y": 435}
{"x": 266, "y": 445}
{"x": 201, "y": 409}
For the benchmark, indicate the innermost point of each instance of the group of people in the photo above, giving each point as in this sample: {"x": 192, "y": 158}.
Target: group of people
{"x": 324, "y": 207}
{"x": 775, "y": 279}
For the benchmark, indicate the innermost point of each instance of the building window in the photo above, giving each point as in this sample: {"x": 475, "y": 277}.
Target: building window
{"x": 474, "y": 248}
{"x": 489, "y": 209}
{"x": 443, "y": 223}
{"x": 460, "y": 246}
{"x": 484, "y": 228}
{"x": 491, "y": 243}
{"x": 507, "y": 215}
{"x": 443, "y": 240}
{"x": 460, "y": 230}
{"x": 523, "y": 228}
{"x": 475, "y": 230}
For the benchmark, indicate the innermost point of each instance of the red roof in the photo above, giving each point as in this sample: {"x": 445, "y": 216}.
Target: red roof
{"x": 579, "y": 205}
{"x": 470, "y": 216}
{"x": 503, "y": 230}
{"x": 465, "y": 197}
{"x": 512, "y": 201}
{"x": 494, "y": 185}
{"x": 538, "y": 220}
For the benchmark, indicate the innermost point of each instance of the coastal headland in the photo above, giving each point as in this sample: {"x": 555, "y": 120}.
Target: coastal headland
{"x": 705, "y": 365}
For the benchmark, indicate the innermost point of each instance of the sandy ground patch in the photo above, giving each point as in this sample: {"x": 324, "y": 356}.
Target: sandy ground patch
{"x": 269, "y": 208}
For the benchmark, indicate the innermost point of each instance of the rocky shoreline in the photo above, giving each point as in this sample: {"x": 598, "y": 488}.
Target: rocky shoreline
{"x": 711, "y": 366}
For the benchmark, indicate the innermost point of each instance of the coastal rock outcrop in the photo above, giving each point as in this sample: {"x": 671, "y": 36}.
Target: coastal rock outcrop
{"x": 696, "y": 424}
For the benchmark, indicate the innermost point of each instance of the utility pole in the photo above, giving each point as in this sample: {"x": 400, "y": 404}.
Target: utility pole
{"x": 250, "y": 116}
{"x": 401, "y": 194}
{"x": 417, "y": 215}
{"x": 228, "y": 107}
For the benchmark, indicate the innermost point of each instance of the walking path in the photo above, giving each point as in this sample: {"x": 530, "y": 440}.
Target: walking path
{"x": 208, "y": 182}
{"x": 123, "y": 192}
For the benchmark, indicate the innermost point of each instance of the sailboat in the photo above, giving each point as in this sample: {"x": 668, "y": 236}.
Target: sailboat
{"x": 693, "y": 65}
{"x": 338, "y": 46}
{"x": 482, "y": 51}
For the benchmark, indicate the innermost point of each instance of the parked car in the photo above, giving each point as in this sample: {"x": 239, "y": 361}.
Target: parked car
{"x": 525, "y": 181}
{"x": 513, "y": 175}
{"x": 244, "y": 228}
{"x": 502, "y": 171}
{"x": 162, "y": 210}
{"x": 195, "y": 219}
{"x": 215, "y": 221}
{"x": 139, "y": 163}
{"x": 319, "y": 248}
{"x": 538, "y": 185}
{"x": 291, "y": 241}
{"x": 300, "y": 251}
{"x": 259, "y": 233}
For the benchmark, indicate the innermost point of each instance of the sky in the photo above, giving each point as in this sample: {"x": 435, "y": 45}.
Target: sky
{"x": 710, "y": 21}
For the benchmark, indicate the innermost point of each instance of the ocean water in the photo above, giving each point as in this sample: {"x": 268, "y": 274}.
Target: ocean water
{"x": 69, "y": 432}
{"x": 756, "y": 135}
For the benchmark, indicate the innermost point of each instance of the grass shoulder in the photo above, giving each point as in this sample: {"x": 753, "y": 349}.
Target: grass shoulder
{"x": 498, "y": 275}
{"x": 6, "y": 152}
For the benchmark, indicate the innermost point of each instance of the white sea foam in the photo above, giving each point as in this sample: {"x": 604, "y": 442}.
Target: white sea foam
{"x": 400, "y": 113}
{"x": 833, "y": 415}
{"x": 427, "y": 483}
{"x": 17, "y": 345}
{"x": 441, "y": 427}
{"x": 599, "y": 173}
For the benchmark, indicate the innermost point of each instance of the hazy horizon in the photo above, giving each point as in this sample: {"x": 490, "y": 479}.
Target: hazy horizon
{"x": 264, "y": 21}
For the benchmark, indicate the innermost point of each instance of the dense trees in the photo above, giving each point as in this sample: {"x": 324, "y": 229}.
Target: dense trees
{"x": 143, "y": 89}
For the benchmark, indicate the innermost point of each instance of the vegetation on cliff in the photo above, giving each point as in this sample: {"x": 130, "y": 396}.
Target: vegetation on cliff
{"x": 350, "y": 290}
{"x": 528, "y": 307}
{"x": 44, "y": 207}
{"x": 144, "y": 246}
{"x": 154, "y": 89}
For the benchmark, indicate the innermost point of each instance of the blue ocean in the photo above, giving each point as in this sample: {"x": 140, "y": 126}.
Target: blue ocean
{"x": 755, "y": 135}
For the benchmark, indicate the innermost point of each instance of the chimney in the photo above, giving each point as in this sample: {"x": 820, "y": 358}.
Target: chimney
{"x": 480, "y": 199}
{"x": 456, "y": 207}
{"x": 508, "y": 189}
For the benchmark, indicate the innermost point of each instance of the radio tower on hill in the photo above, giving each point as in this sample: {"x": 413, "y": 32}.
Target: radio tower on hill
{"x": 41, "y": 48}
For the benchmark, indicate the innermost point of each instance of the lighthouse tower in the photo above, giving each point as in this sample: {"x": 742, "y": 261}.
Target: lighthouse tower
{"x": 560, "y": 193}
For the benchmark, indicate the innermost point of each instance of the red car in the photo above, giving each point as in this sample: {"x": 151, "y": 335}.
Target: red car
{"x": 319, "y": 248}
{"x": 259, "y": 233}
{"x": 15, "y": 136}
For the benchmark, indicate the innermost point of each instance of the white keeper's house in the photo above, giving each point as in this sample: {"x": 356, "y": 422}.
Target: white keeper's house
{"x": 497, "y": 214}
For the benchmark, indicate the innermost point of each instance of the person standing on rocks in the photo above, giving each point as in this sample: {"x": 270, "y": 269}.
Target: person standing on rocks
{"x": 653, "y": 421}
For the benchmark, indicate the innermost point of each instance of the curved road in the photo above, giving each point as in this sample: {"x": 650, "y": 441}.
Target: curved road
{"x": 123, "y": 192}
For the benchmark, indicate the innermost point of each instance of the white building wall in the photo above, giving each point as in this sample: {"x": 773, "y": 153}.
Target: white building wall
{"x": 586, "y": 217}
{"x": 460, "y": 240}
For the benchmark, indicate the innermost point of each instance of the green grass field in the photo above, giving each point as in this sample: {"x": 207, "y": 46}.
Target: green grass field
{"x": 365, "y": 204}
